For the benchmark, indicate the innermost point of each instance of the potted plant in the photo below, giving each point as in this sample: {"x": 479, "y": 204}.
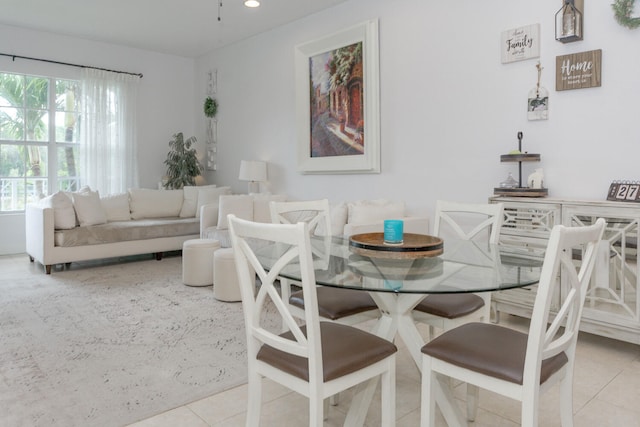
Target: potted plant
{"x": 182, "y": 163}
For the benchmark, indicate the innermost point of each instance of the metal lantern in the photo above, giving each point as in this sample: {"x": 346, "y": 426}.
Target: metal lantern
{"x": 568, "y": 23}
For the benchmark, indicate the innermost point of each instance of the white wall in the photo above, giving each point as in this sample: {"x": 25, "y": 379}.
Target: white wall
{"x": 449, "y": 107}
{"x": 166, "y": 97}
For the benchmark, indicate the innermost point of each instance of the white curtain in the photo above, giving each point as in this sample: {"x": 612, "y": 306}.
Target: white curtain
{"x": 108, "y": 151}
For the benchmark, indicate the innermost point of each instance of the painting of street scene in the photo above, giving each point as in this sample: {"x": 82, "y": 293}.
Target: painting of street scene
{"x": 337, "y": 102}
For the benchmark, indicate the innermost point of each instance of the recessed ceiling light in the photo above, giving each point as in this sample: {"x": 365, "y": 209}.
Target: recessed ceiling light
{"x": 251, "y": 3}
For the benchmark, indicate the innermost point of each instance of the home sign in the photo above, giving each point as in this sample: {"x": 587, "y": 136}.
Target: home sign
{"x": 520, "y": 43}
{"x": 579, "y": 70}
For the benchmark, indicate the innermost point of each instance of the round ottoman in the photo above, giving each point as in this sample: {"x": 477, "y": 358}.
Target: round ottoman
{"x": 225, "y": 278}
{"x": 197, "y": 261}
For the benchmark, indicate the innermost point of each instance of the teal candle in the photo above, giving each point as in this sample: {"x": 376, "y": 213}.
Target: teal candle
{"x": 393, "y": 231}
{"x": 394, "y": 285}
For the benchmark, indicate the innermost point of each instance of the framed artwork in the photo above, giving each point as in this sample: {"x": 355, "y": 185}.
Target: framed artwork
{"x": 520, "y": 43}
{"x": 338, "y": 102}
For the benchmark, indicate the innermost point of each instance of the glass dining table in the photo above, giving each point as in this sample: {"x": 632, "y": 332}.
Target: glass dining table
{"x": 397, "y": 285}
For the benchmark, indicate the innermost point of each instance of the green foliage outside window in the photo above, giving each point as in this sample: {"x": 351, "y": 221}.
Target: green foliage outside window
{"x": 26, "y": 105}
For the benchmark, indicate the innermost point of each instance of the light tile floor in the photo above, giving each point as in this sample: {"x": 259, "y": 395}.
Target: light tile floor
{"x": 606, "y": 393}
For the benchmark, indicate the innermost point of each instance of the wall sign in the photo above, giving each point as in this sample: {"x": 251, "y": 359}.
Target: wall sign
{"x": 520, "y": 43}
{"x": 579, "y": 70}
{"x": 538, "y": 101}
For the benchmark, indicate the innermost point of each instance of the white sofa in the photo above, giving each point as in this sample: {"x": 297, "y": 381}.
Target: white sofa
{"x": 347, "y": 218}
{"x": 367, "y": 216}
{"x": 68, "y": 227}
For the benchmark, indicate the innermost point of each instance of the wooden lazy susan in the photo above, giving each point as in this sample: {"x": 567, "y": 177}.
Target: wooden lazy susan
{"x": 413, "y": 246}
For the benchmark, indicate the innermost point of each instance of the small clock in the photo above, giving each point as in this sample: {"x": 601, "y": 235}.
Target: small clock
{"x": 624, "y": 191}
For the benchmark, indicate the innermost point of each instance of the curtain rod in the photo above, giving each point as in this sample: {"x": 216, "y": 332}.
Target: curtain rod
{"x": 69, "y": 64}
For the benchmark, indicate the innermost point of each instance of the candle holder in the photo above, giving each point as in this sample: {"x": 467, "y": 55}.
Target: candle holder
{"x": 393, "y": 231}
{"x": 568, "y": 23}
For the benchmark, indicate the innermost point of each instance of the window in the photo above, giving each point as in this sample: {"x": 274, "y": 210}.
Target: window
{"x": 39, "y": 138}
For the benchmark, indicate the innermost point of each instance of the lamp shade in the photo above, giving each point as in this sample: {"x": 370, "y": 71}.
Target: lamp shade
{"x": 252, "y": 170}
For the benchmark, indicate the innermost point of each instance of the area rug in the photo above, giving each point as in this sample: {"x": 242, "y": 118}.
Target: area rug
{"x": 111, "y": 344}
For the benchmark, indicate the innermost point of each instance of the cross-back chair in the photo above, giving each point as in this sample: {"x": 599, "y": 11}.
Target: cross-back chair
{"x": 512, "y": 363}
{"x": 467, "y": 221}
{"x": 317, "y": 359}
{"x": 346, "y": 306}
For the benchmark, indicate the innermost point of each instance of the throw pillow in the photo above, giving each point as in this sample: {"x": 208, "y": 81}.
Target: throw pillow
{"x": 210, "y": 195}
{"x": 89, "y": 208}
{"x": 261, "y": 209}
{"x": 190, "y": 203}
{"x": 116, "y": 207}
{"x": 338, "y": 217}
{"x": 371, "y": 211}
{"x": 241, "y": 205}
{"x": 147, "y": 203}
{"x": 64, "y": 216}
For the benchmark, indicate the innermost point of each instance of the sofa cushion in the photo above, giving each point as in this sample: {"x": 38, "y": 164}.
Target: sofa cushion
{"x": 261, "y": 209}
{"x": 190, "y": 202}
{"x": 116, "y": 207}
{"x": 64, "y": 215}
{"x": 89, "y": 208}
{"x": 121, "y": 231}
{"x": 241, "y": 205}
{"x": 147, "y": 203}
{"x": 338, "y": 217}
{"x": 208, "y": 196}
{"x": 370, "y": 211}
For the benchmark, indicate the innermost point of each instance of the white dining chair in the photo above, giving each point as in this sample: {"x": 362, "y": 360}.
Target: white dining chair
{"x": 346, "y": 306}
{"x": 467, "y": 221}
{"x": 318, "y": 359}
{"x": 514, "y": 364}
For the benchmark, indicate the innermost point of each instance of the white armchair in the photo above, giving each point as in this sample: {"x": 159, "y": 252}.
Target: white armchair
{"x": 252, "y": 207}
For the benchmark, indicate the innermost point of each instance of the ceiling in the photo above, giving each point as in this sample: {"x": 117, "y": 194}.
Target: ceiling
{"x": 180, "y": 27}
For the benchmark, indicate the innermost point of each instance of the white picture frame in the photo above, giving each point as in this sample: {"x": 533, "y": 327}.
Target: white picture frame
{"x": 519, "y": 44}
{"x": 352, "y": 127}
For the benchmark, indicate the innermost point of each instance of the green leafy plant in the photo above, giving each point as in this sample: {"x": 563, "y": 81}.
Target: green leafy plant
{"x": 182, "y": 163}
{"x": 622, "y": 10}
{"x": 210, "y": 107}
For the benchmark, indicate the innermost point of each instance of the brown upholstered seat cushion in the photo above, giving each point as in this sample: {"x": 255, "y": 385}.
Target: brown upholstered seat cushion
{"x": 450, "y": 306}
{"x": 345, "y": 349}
{"x": 336, "y": 303}
{"x": 489, "y": 349}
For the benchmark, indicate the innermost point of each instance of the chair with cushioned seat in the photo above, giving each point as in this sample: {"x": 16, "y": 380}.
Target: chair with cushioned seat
{"x": 514, "y": 364}
{"x": 467, "y": 221}
{"x": 317, "y": 360}
{"x": 346, "y": 306}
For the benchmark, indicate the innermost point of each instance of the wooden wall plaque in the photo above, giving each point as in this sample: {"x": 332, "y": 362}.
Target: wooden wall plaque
{"x": 579, "y": 70}
{"x": 520, "y": 43}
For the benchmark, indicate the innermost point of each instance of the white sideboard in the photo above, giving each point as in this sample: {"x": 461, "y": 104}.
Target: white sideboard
{"x": 612, "y": 308}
